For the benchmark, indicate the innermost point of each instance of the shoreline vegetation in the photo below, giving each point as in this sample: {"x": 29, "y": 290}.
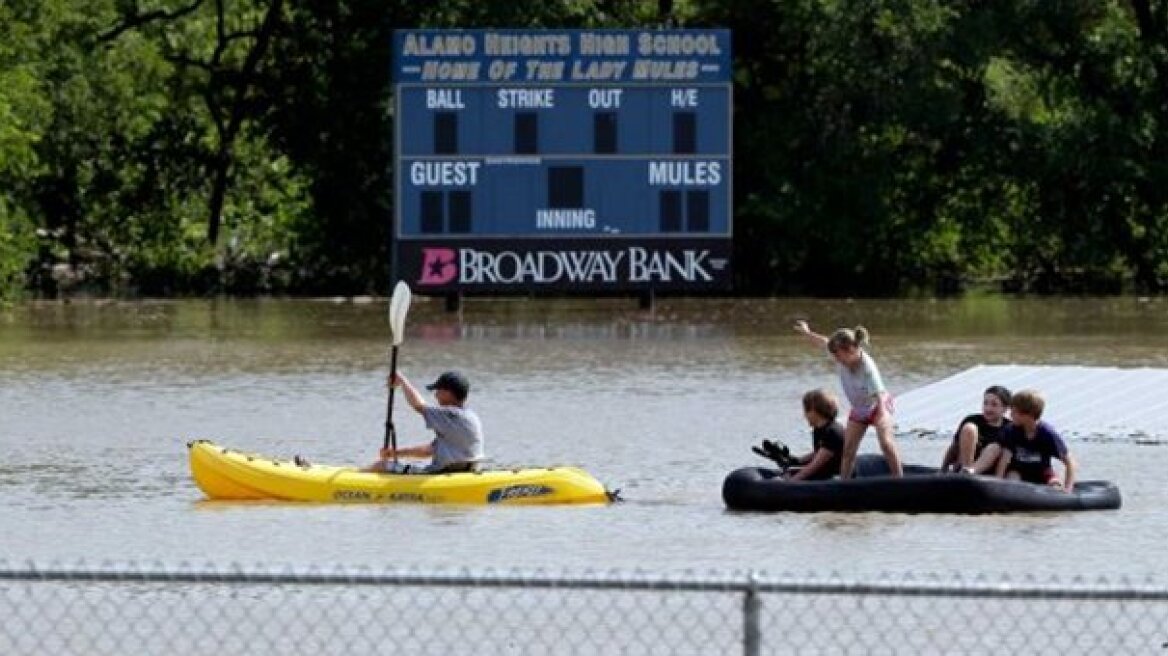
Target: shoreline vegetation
{"x": 881, "y": 148}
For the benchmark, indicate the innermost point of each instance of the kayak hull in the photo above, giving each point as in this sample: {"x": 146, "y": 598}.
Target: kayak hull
{"x": 227, "y": 474}
{"x": 921, "y": 490}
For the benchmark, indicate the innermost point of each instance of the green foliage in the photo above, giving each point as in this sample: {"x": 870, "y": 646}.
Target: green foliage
{"x": 24, "y": 113}
{"x": 17, "y": 250}
{"x": 882, "y": 146}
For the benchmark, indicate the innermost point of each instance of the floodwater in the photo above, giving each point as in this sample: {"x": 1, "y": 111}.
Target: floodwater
{"x": 98, "y": 401}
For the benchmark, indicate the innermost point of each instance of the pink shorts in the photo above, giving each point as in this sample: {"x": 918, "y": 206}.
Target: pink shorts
{"x": 868, "y": 415}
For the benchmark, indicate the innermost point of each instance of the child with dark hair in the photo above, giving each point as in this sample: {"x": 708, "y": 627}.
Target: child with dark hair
{"x": 1029, "y": 444}
{"x": 871, "y": 403}
{"x": 827, "y": 438}
{"x": 977, "y": 444}
{"x": 458, "y": 433}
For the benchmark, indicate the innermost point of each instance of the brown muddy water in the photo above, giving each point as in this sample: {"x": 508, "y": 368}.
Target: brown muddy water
{"x": 98, "y": 399}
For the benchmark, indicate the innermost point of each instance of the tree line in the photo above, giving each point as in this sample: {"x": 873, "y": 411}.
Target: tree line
{"x": 166, "y": 147}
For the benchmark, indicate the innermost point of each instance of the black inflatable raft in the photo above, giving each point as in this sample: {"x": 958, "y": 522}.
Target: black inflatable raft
{"x": 921, "y": 490}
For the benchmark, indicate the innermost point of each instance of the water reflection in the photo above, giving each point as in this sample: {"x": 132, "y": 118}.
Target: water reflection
{"x": 972, "y": 316}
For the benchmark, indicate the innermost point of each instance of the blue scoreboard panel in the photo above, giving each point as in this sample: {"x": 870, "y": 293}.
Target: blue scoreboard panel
{"x": 565, "y": 159}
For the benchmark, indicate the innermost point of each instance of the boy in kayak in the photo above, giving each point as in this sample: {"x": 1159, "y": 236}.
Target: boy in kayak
{"x": 1029, "y": 444}
{"x": 827, "y": 438}
{"x": 977, "y": 444}
{"x": 870, "y": 400}
{"x": 458, "y": 434}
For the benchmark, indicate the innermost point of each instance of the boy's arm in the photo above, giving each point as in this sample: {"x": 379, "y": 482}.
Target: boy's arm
{"x": 1003, "y": 462}
{"x": 421, "y": 451}
{"x": 1070, "y": 466}
{"x": 817, "y": 339}
{"x": 413, "y": 397}
{"x": 818, "y": 460}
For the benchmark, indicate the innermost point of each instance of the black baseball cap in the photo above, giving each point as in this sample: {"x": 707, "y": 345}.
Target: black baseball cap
{"x": 453, "y": 382}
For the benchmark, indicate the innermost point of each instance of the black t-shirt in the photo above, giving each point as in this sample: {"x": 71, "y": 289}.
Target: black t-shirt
{"x": 986, "y": 434}
{"x": 830, "y": 437}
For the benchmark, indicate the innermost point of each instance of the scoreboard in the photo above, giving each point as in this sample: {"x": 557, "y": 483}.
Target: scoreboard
{"x": 562, "y": 159}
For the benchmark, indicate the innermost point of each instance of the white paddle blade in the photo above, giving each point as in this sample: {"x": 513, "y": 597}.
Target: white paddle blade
{"x": 399, "y": 305}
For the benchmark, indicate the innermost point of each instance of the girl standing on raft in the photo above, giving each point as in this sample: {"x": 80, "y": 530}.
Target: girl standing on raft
{"x": 870, "y": 400}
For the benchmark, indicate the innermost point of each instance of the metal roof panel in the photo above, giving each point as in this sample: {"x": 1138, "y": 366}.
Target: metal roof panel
{"x": 1082, "y": 402}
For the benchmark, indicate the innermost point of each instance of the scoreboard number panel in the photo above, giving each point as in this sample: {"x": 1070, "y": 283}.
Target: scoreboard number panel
{"x": 562, "y": 159}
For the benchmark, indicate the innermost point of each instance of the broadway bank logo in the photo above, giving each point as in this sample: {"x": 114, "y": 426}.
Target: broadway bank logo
{"x": 439, "y": 266}
{"x": 587, "y": 266}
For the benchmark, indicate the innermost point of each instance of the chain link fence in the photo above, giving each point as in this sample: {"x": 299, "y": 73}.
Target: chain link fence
{"x": 155, "y": 609}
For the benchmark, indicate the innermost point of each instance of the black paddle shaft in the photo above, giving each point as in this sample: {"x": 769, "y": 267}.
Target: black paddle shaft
{"x": 390, "y": 431}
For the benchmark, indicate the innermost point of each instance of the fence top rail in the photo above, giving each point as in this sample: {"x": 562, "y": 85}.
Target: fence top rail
{"x": 923, "y": 585}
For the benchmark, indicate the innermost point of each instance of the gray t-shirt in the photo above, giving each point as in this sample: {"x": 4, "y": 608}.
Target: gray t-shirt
{"x": 862, "y": 385}
{"x": 458, "y": 434}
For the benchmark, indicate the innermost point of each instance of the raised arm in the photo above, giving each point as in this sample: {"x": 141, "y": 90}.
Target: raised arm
{"x": 413, "y": 397}
{"x": 802, "y": 328}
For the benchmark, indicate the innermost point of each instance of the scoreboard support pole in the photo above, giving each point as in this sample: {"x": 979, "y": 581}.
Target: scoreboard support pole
{"x": 647, "y": 299}
{"x": 453, "y": 302}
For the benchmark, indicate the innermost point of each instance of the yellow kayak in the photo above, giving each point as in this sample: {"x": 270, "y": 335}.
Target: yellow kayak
{"x": 228, "y": 474}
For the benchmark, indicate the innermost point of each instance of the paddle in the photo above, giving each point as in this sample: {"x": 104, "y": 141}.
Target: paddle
{"x": 399, "y": 305}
